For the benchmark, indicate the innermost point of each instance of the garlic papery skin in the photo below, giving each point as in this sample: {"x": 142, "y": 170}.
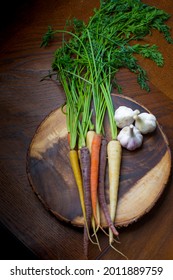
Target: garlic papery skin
{"x": 130, "y": 137}
{"x": 124, "y": 116}
{"x": 145, "y": 122}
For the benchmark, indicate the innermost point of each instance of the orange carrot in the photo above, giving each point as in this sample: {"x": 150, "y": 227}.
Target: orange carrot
{"x": 95, "y": 154}
{"x": 89, "y": 139}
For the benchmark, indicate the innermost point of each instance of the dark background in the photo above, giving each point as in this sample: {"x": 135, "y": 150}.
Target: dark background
{"x": 9, "y": 13}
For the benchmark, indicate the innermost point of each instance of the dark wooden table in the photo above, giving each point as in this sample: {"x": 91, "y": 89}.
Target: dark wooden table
{"x": 25, "y": 102}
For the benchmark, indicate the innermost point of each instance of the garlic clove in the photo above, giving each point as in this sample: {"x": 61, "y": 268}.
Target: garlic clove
{"x": 130, "y": 137}
{"x": 145, "y": 122}
{"x": 124, "y": 116}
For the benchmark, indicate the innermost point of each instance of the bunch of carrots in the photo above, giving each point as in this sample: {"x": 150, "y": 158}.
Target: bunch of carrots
{"x": 87, "y": 85}
{"x": 86, "y": 66}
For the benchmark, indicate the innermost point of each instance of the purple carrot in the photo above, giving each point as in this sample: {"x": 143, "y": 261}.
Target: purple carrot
{"x": 85, "y": 168}
{"x": 101, "y": 187}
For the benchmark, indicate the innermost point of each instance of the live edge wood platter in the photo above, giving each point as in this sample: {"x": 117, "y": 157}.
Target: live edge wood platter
{"x": 144, "y": 172}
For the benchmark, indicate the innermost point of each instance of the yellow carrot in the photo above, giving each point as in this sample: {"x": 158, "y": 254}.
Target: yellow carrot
{"x": 74, "y": 160}
{"x": 114, "y": 151}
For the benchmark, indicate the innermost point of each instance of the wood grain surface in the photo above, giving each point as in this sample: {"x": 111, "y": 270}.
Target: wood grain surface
{"x": 25, "y": 102}
{"x": 144, "y": 172}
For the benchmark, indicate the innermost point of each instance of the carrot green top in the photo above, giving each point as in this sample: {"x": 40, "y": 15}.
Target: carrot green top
{"x": 95, "y": 52}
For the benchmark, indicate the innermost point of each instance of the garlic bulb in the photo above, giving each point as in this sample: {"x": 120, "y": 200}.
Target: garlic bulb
{"x": 124, "y": 116}
{"x": 130, "y": 137}
{"x": 145, "y": 122}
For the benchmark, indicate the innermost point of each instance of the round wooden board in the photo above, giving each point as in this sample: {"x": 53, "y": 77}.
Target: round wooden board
{"x": 144, "y": 172}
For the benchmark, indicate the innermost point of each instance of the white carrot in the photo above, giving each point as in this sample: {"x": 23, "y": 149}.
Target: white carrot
{"x": 114, "y": 151}
{"x": 89, "y": 139}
